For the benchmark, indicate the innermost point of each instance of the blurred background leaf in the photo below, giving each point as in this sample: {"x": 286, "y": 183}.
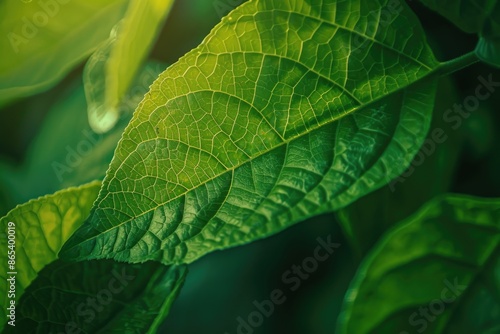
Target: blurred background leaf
{"x": 112, "y": 68}
{"x": 472, "y": 16}
{"x": 430, "y": 262}
{"x": 44, "y": 40}
{"x": 66, "y": 151}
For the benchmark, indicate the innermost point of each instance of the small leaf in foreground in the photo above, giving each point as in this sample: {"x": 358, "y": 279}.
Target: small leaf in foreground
{"x": 41, "y": 228}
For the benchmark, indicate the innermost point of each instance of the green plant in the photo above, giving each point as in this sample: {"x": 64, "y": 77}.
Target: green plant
{"x": 286, "y": 111}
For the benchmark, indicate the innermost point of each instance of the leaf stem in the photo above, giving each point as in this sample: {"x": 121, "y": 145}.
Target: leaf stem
{"x": 456, "y": 64}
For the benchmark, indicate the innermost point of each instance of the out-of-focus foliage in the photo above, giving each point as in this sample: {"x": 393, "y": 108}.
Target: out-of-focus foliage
{"x": 437, "y": 271}
{"x": 42, "y": 40}
{"x": 111, "y": 70}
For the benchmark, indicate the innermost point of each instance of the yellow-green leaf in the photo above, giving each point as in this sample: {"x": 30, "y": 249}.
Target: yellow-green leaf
{"x": 42, "y": 40}
{"x": 38, "y": 229}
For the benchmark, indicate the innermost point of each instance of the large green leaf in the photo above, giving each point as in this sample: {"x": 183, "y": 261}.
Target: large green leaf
{"x": 111, "y": 69}
{"x": 41, "y": 227}
{"x": 288, "y": 109}
{"x": 98, "y": 297}
{"x": 42, "y": 40}
{"x": 474, "y": 16}
{"x": 437, "y": 271}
